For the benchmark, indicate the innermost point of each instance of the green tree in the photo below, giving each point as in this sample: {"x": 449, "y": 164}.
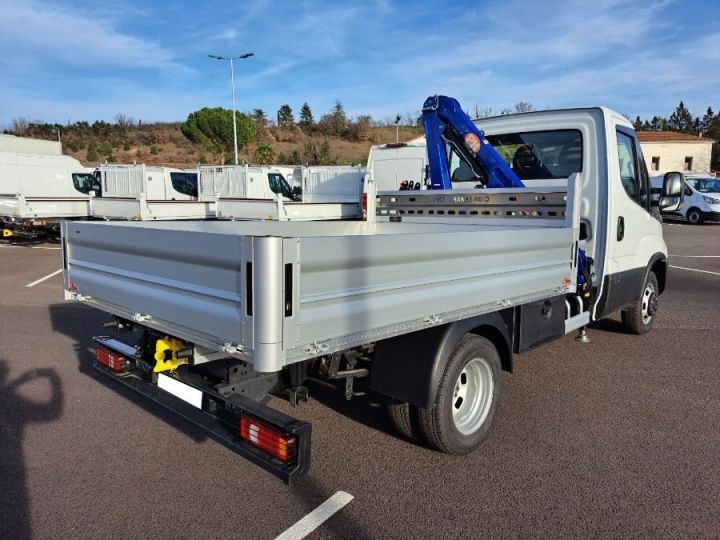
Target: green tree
{"x": 285, "y": 116}
{"x": 264, "y": 154}
{"x": 637, "y": 124}
{"x": 213, "y": 128}
{"x": 706, "y": 121}
{"x": 306, "y": 117}
{"x": 91, "y": 155}
{"x": 681, "y": 120}
{"x": 259, "y": 117}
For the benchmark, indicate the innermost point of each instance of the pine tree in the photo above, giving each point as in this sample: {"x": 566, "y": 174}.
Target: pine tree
{"x": 306, "y": 117}
{"x": 681, "y": 120}
{"x": 285, "y": 116}
{"x": 637, "y": 124}
{"x": 706, "y": 121}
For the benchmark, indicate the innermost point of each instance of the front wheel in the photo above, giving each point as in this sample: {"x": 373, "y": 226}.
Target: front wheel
{"x": 466, "y": 400}
{"x": 694, "y": 216}
{"x": 639, "y": 317}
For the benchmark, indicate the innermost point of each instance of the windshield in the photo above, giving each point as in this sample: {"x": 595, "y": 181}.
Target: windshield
{"x": 705, "y": 185}
{"x": 279, "y": 185}
{"x": 541, "y": 154}
{"x": 86, "y": 182}
{"x": 185, "y": 182}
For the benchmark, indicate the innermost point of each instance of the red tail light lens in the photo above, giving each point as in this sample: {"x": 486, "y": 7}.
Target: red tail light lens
{"x": 364, "y": 203}
{"x": 281, "y": 446}
{"x": 111, "y": 360}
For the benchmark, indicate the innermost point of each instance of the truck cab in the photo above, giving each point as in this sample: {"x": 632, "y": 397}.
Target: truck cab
{"x": 618, "y": 230}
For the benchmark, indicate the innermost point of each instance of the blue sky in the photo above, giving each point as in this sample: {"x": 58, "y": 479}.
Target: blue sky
{"x": 65, "y": 61}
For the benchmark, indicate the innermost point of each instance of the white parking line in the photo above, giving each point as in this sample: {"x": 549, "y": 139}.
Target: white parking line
{"x": 695, "y": 270}
{"x": 29, "y": 247}
{"x": 316, "y": 518}
{"x": 55, "y": 273}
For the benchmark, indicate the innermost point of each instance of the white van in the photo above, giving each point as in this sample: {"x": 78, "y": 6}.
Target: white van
{"x": 398, "y": 166}
{"x": 702, "y": 198}
{"x": 37, "y": 191}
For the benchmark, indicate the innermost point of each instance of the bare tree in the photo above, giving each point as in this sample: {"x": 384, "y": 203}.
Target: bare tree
{"x": 123, "y": 120}
{"x": 523, "y": 106}
{"x": 19, "y": 125}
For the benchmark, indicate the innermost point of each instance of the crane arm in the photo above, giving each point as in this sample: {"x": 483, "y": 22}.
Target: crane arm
{"x": 444, "y": 123}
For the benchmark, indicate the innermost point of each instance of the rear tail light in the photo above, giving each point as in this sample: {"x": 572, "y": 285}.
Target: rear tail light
{"x": 111, "y": 360}
{"x": 269, "y": 439}
{"x": 364, "y": 203}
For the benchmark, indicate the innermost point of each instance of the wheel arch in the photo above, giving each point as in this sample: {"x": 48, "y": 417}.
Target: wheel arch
{"x": 409, "y": 367}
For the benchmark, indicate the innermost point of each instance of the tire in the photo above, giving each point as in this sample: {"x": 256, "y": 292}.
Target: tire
{"x": 694, "y": 216}
{"x": 404, "y": 418}
{"x": 466, "y": 399}
{"x": 639, "y": 317}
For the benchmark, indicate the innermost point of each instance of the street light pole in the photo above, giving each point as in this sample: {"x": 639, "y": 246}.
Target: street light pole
{"x": 232, "y": 82}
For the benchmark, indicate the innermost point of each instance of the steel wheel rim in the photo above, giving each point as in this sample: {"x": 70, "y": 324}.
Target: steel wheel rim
{"x": 694, "y": 216}
{"x": 649, "y": 303}
{"x": 472, "y": 396}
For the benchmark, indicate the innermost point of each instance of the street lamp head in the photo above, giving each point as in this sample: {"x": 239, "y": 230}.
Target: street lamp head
{"x": 246, "y": 55}
{"x": 216, "y": 57}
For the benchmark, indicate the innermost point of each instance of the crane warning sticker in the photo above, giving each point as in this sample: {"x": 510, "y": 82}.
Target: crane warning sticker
{"x": 473, "y": 142}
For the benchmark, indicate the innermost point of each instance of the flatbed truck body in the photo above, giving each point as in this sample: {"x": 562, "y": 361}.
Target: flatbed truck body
{"x": 427, "y": 300}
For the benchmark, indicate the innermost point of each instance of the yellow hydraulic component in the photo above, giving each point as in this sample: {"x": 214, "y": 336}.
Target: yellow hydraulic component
{"x": 166, "y": 350}
{"x": 7, "y": 233}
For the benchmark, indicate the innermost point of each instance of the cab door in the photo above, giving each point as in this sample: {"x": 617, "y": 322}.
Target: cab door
{"x": 634, "y": 234}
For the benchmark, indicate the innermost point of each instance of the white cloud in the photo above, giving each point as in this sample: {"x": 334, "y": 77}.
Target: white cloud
{"x": 38, "y": 32}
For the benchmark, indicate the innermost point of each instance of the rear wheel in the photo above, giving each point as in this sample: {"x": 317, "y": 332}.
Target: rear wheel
{"x": 466, "y": 400}
{"x": 639, "y": 317}
{"x": 404, "y": 418}
{"x": 694, "y": 216}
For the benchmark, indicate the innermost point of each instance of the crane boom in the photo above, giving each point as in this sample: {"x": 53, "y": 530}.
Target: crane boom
{"x": 445, "y": 122}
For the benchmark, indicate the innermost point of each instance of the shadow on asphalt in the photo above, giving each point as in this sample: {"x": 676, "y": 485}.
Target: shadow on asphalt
{"x": 16, "y": 412}
{"x": 81, "y": 323}
{"x": 369, "y": 410}
{"x": 610, "y": 325}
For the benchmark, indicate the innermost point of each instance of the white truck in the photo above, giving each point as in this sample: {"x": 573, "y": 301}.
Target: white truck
{"x": 148, "y": 193}
{"x": 702, "y": 198}
{"x": 261, "y": 192}
{"x": 424, "y": 303}
{"x": 37, "y": 191}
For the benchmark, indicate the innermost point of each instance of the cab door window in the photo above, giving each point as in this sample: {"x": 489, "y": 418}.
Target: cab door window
{"x": 626, "y": 161}
{"x": 633, "y": 172}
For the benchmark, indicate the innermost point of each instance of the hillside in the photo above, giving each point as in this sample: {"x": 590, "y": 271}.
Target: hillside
{"x": 164, "y": 144}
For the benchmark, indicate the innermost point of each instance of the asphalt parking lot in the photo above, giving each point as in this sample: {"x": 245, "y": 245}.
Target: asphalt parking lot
{"x": 618, "y": 437}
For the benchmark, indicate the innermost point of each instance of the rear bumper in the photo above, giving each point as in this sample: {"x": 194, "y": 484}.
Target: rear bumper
{"x": 219, "y": 416}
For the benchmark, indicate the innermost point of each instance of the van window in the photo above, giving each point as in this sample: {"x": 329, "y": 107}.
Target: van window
{"x": 705, "y": 185}
{"x": 185, "y": 182}
{"x": 541, "y": 154}
{"x": 278, "y": 184}
{"x": 86, "y": 182}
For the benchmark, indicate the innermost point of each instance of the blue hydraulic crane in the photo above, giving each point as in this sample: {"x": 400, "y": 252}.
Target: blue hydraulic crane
{"x": 445, "y": 122}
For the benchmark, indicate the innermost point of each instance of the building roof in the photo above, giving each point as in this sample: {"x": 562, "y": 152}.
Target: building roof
{"x": 669, "y": 136}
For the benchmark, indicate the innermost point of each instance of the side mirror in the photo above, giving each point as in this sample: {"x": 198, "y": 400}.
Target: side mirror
{"x": 673, "y": 194}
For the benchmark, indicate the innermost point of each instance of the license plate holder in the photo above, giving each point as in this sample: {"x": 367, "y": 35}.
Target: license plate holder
{"x": 180, "y": 390}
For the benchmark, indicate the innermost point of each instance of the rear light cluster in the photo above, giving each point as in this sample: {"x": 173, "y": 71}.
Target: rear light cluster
{"x": 111, "y": 360}
{"x": 269, "y": 439}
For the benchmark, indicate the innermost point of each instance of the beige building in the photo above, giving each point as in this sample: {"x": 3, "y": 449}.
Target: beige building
{"x": 666, "y": 151}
